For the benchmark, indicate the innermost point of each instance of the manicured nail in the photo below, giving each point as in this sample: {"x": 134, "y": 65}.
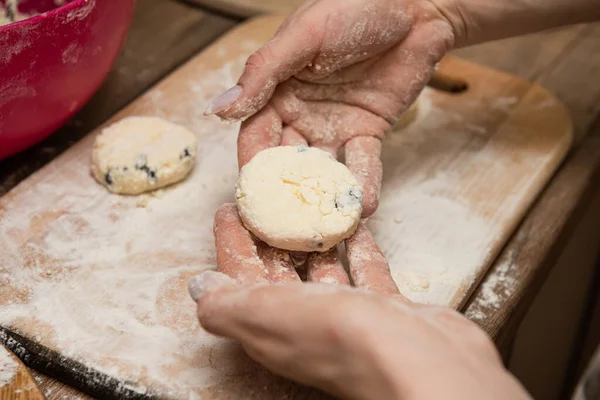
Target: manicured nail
{"x": 224, "y": 100}
{"x": 207, "y": 281}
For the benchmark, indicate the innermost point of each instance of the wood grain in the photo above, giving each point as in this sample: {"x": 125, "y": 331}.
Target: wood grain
{"x": 564, "y": 61}
{"x": 22, "y": 386}
{"x": 54, "y": 389}
{"x": 527, "y": 56}
{"x": 574, "y": 79}
{"x": 531, "y": 252}
{"x": 528, "y": 257}
{"x": 481, "y": 149}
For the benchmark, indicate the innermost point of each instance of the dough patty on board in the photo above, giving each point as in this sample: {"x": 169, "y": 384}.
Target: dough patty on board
{"x": 298, "y": 198}
{"x": 140, "y": 154}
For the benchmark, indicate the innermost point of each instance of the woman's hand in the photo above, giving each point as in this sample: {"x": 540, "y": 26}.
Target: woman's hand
{"x": 355, "y": 344}
{"x": 250, "y": 261}
{"x": 367, "y": 342}
{"x": 337, "y": 75}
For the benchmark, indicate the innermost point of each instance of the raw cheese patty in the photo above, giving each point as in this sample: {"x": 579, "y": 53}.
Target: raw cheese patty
{"x": 139, "y": 154}
{"x": 298, "y": 198}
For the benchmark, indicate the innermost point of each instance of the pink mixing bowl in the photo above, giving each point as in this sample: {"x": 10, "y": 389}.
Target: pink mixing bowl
{"x": 52, "y": 63}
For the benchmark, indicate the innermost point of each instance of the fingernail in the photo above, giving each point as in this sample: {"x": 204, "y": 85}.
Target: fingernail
{"x": 207, "y": 281}
{"x": 224, "y": 100}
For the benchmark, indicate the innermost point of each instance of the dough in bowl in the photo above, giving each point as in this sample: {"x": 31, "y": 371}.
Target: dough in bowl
{"x": 140, "y": 154}
{"x": 298, "y": 198}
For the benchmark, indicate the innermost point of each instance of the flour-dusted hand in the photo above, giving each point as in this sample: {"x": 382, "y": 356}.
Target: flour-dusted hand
{"x": 249, "y": 261}
{"x": 366, "y": 342}
{"x": 338, "y": 74}
{"x": 355, "y": 344}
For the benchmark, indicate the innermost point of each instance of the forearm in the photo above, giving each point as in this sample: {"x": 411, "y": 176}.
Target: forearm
{"x": 477, "y": 21}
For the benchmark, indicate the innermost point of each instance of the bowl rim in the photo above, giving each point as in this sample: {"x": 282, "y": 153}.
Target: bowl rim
{"x": 65, "y": 7}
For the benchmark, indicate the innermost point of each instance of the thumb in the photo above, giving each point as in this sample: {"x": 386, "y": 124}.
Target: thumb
{"x": 290, "y": 51}
{"x": 209, "y": 281}
{"x": 206, "y": 290}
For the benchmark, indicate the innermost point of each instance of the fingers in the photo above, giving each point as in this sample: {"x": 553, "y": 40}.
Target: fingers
{"x": 292, "y": 48}
{"x": 347, "y": 75}
{"x": 242, "y": 258}
{"x": 326, "y": 268}
{"x": 237, "y": 255}
{"x": 233, "y": 313}
{"x": 363, "y": 158}
{"x": 291, "y": 137}
{"x": 324, "y": 123}
{"x": 279, "y": 264}
{"x": 258, "y": 133}
{"x": 368, "y": 267}
{"x": 315, "y": 334}
{"x": 355, "y": 34}
{"x": 272, "y": 318}
{"x": 215, "y": 280}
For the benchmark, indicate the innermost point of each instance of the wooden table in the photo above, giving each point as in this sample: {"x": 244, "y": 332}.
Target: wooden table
{"x": 565, "y": 61}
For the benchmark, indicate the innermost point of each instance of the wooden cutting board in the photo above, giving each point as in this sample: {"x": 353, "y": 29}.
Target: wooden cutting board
{"x": 16, "y": 383}
{"x": 94, "y": 284}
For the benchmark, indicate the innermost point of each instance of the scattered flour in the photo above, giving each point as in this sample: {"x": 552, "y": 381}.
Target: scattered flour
{"x": 8, "y": 367}
{"x": 81, "y": 12}
{"x": 548, "y": 103}
{"x": 434, "y": 242}
{"x": 438, "y": 221}
{"x": 497, "y": 287}
{"x": 103, "y": 278}
{"x": 504, "y": 103}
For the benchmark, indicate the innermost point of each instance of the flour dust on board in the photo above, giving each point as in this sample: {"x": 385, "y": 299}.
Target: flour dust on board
{"x": 8, "y": 368}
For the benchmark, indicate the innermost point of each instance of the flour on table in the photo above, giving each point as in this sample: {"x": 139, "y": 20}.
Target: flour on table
{"x": 493, "y": 291}
{"x": 424, "y": 237}
{"x": 103, "y": 280}
{"x": 8, "y": 367}
{"x": 504, "y": 103}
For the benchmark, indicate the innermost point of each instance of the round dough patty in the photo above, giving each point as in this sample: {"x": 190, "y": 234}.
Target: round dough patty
{"x": 298, "y": 198}
{"x": 139, "y": 154}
